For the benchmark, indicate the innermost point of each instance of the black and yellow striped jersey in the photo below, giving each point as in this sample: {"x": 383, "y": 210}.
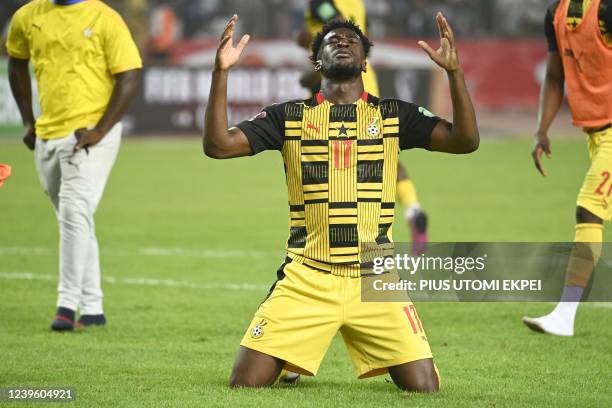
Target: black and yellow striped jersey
{"x": 341, "y": 171}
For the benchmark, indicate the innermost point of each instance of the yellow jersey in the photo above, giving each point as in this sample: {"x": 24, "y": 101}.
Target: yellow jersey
{"x": 341, "y": 169}
{"x": 320, "y": 12}
{"x": 75, "y": 51}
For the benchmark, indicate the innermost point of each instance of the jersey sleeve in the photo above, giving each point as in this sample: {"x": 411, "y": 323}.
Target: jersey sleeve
{"x": 549, "y": 27}
{"x": 17, "y": 44}
{"x": 323, "y": 10}
{"x": 121, "y": 51}
{"x": 266, "y": 130}
{"x": 605, "y": 16}
{"x": 415, "y": 126}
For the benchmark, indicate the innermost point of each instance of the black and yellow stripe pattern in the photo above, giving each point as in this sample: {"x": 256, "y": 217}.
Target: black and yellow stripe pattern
{"x": 341, "y": 170}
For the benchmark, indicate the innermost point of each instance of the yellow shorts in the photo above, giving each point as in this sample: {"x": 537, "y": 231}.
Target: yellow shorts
{"x": 596, "y": 191}
{"x": 305, "y": 310}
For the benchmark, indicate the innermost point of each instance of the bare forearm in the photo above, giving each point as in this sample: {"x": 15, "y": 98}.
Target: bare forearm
{"x": 218, "y": 141}
{"x": 21, "y": 87}
{"x": 126, "y": 85}
{"x": 465, "y": 128}
{"x": 551, "y": 97}
{"x": 216, "y": 137}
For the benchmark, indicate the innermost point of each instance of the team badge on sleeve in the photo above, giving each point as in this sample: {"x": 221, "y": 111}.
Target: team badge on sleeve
{"x": 260, "y": 115}
{"x": 258, "y": 330}
{"x": 426, "y": 112}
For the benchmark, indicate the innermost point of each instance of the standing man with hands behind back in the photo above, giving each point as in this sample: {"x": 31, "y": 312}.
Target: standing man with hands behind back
{"x": 87, "y": 69}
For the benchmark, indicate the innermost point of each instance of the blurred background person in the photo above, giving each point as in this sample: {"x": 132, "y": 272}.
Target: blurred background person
{"x": 579, "y": 58}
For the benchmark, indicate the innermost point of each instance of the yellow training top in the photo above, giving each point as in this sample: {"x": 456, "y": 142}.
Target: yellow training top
{"x": 75, "y": 51}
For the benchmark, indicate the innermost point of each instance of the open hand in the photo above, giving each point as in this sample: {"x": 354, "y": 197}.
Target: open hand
{"x": 445, "y": 56}
{"x": 541, "y": 145}
{"x": 227, "y": 54}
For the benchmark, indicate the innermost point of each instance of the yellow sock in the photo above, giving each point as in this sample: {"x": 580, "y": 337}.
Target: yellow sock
{"x": 585, "y": 254}
{"x": 406, "y": 193}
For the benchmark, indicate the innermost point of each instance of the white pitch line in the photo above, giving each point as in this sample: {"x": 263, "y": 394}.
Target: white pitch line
{"x": 25, "y": 251}
{"x": 250, "y": 287}
{"x": 203, "y": 253}
{"x": 26, "y": 276}
{"x": 600, "y": 305}
{"x": 171, "y": 252}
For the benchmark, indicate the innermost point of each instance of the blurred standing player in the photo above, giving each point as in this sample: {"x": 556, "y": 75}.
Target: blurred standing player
{"x": 579, "y": 37}
{"x": 317, "y": 14}
{"x": 340, "y": 173}
{"x": 87, "y": 69}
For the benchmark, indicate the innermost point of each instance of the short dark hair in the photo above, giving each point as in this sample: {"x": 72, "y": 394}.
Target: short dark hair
{"x": 333, "y": 25}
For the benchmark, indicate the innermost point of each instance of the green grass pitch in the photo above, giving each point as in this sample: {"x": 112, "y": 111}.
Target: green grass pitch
{"x": 190, "y": 244}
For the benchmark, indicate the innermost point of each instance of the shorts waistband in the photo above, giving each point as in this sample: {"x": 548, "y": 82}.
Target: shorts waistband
{"x": 598, "y": 129}
{"x": 349, "y": 271}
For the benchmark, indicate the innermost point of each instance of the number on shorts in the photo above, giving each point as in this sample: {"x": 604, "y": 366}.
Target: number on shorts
{"x": 411, "y": 320}
{"x": 602, "y": 185}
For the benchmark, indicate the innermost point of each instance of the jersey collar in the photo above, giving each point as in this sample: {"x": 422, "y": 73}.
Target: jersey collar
{"x": 320, "y": 98}
{"x": 67, "y": 2}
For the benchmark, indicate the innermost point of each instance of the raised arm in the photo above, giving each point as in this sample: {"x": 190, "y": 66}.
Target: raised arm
{"x": 126, "y": 84}
{"x": 551, "y": 97}
{"x": 218, "y": 141}
{"x": 21, "y": 86}
{"x": 462, "y": 137}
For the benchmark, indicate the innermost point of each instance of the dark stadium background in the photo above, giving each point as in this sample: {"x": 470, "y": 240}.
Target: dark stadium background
{"x": 501, "y": 45}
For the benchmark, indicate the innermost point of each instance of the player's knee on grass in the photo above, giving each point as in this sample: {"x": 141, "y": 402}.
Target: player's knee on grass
{"x": 254, "y": 369}
{"x": 584, "y": 216}
{"x": 416, "y": 376}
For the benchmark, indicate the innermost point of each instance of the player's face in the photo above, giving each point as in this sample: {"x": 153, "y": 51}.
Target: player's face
{"x": 342, "y": 54}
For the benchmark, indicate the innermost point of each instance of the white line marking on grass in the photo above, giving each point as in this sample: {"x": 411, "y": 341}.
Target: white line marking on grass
{"x": 203, "y": 253}
{"x": 249, "y": 287}
{"x": 26, "y": 276}
{"x": 25, "y": 251}
{"x": 176, "y": 252}
{"x": 600, "y": 305}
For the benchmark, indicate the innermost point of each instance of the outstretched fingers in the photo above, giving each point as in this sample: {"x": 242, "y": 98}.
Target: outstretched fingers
{"x": 446, "y": 29}
{"x": 537, "y": 160}
{"x": 243, "y": 42}
{"x": 224, "y": 41}
{"x": 430, "y": 51}
{"x": 229, "y": 28}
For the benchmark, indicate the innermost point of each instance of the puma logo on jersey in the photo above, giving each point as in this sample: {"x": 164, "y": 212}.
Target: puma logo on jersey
{"x": 88, "y": 32}
{"x": 313, "y": 127}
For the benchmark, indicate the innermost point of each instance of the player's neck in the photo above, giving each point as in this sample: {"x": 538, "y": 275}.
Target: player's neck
{"x": 342, "y": 92}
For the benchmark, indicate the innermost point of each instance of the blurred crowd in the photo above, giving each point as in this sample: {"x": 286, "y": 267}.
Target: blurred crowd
{"x": 387, "y": 18}
{"x": 158, "y": 25}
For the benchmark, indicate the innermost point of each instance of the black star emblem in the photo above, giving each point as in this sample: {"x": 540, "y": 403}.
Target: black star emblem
{"x": 342, "y": 129}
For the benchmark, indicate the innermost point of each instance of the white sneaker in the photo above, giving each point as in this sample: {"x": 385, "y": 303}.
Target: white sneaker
{"x": 550, "y": 324}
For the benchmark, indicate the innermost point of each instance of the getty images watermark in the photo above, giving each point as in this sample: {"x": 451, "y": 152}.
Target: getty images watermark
{"x": 478, "y": 272}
